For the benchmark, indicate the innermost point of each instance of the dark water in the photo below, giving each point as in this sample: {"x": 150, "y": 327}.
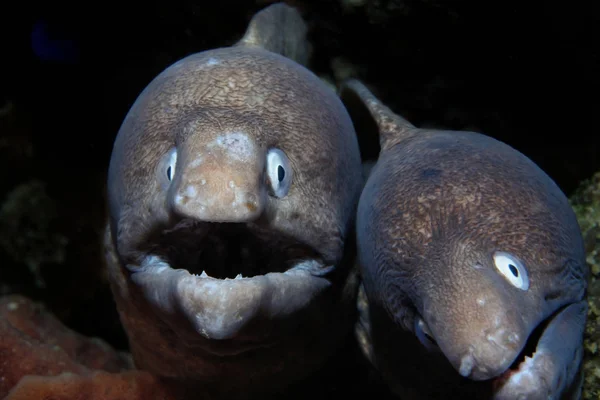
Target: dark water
{"x": 525, "y": 75}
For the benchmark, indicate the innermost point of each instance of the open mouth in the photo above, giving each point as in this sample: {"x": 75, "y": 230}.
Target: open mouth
{"x": 222, "y": 276}
{"x": 228, "y": 250}
{"x": 528, "y": 352}
{"x": 551, "y": 356}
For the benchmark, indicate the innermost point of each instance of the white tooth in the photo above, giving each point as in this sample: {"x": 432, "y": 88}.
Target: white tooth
{"x": 238, "y": 276}
{"x": 203, "y": 275}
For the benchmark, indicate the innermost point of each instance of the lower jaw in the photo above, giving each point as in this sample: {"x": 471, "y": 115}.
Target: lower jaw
{"x": 221, "y": 309}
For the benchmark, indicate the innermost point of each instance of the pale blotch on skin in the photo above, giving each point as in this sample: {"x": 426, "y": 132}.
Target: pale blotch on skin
{"x": 210, "y": 63}
{"x": 196, "y": 163}
{"x": 190, "y": 191}
{"x": 237, "y": 145}
{"x": 240, "y": 196}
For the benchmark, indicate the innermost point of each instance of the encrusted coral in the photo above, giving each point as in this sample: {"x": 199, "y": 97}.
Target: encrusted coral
{"x": 40, "y": 358}
{"x": 586, "y": 203}
{"x": 97, "y": 385}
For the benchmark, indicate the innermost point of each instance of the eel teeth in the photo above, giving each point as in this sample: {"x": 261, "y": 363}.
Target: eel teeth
{"x": 205, "y": 275}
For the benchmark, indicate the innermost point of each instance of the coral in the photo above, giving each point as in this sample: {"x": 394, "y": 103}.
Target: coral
{"x": 41, "y": 358}
{"x": 99, "y": 385}
{"x": 586, "y": 203}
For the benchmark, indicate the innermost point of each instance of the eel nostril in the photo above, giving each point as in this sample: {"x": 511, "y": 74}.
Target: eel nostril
{"x": 466, "y": 365}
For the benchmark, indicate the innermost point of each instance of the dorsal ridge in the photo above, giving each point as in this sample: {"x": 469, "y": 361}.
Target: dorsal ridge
{"x": 393, "y": 128}
{"x": 279, "y": 28}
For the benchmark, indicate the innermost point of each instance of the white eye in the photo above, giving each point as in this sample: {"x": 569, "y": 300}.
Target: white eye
{"x": 424, "y": 335}
{"x": 166, "y": 167}
{"x": 279, "y": 172}
{"x": 512, "y": 269}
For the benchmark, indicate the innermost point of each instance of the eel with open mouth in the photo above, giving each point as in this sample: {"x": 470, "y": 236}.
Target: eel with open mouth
{"x": 232, "y": 189}
{"x": 472, "y": 266}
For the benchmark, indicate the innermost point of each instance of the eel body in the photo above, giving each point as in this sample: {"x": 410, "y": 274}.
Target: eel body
{"x": 472, "y": 266}
{"x": 232, "y": 189}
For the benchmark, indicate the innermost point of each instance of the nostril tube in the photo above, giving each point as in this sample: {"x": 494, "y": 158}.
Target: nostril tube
{"x": 251, "y": 202}
{"x": 466, "y": 365}
{"x": 513, "y": 339}
{"x": 505, "y": 340}
{"x": 189, "y": 193}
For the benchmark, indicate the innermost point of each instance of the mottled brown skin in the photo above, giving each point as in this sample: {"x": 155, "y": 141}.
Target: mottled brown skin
{"x": 276, "y": 101}
{"x": 436, "y": 207}
{"x": 250, "y": 337}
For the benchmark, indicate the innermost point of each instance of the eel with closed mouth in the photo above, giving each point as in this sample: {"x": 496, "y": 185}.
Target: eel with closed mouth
{"x": 472, "y": 266}
{"x": 232, "y": 188}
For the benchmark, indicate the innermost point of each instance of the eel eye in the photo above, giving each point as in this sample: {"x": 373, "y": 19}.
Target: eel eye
{"x": 166, "y": 167}
{"x": 512, "y": 269}
{"x": 279, "y": 172}
{"x": 424, "y": 335}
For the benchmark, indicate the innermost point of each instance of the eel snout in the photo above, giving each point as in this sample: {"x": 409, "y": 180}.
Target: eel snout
{"x": 518, "y": 360}
{"x": 491, "y": 352}
{"x": 480, "y": 335}
{"x": 220, "y": 181}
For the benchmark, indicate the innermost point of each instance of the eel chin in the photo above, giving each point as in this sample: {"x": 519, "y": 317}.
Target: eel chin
{"x": 551, "y": 359}
{"x": 220, "y": 277}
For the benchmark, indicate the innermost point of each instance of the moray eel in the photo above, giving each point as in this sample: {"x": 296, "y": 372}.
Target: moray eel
{"x": 472, "y": 266}
{"x": 232, "y": 189}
